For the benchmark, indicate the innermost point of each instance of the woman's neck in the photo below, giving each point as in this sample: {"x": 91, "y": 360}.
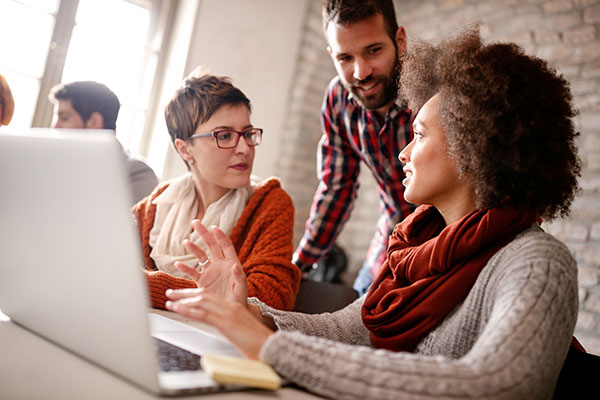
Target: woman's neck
{"x": 455, "y": 212}
{"x": 206, "y": 195}
{"x": 461, "y": 203}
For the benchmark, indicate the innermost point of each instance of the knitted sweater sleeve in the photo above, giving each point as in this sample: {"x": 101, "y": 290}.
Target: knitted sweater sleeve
{"x": 263, "y": 237}
{"x": 343, "y": 326}
{"x": 528, "y": 313}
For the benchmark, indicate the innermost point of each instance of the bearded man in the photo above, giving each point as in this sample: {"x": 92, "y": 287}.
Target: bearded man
{"x": 362, "y": 120}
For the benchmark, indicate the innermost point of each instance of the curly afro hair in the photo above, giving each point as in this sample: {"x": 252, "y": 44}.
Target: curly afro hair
{"x": 507, "y": 118}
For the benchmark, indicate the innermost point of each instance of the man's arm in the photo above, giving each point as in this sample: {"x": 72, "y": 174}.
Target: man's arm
{"x": 338, "y": 167}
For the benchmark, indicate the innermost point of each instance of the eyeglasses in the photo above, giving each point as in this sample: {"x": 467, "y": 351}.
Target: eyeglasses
{"x": 229, "y": 138}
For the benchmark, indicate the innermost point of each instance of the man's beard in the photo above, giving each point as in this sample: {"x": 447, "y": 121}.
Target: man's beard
{"x": 383, "y": 97}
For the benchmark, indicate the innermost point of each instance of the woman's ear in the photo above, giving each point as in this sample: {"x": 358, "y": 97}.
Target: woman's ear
{"x": 95, "y": 121}
{"x": 183, "y": 148}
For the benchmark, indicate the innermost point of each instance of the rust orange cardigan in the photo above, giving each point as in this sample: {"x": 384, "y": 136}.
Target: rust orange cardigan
{"x": 262, "y": 238}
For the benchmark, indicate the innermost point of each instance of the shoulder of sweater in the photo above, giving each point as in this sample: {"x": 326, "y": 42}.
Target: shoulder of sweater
{"x": 267, "y": 201}
{"x": 158, "y": 190}
{"x": 155, "y": 193}
{"x": 535, "y": 242}
{"x": 267, "y": 184}
{"x": 531, "y": 249}
{"x": 270, "y": 188}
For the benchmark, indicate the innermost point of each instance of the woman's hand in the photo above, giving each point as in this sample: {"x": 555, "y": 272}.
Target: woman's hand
{"x": 232, "y": 319}
{"x": 222, "y": 274}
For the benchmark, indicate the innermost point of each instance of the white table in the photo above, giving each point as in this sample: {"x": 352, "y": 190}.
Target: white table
{"x": 33, "y": 368}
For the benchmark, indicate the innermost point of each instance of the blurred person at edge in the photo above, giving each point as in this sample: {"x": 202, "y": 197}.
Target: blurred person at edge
{"x": 7, "y": 102}
{"x": 92, "y": 105}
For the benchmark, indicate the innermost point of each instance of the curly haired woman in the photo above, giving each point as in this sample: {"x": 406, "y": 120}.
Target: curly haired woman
{"x": 474, "y": 300}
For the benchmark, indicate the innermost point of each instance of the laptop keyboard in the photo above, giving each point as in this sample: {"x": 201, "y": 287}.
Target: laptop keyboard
{"x": 173, "y": 358}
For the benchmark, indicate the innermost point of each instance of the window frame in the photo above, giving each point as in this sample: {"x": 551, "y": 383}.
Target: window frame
{"x": 162, "y": 16}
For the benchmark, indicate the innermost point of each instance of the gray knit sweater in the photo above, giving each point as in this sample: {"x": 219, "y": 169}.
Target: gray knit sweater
{"x": 507, "y": 340}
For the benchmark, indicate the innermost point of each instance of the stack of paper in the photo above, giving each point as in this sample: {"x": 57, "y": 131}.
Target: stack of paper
{"x": 240, "y": 371}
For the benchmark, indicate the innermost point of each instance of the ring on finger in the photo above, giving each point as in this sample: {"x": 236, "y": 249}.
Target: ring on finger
{"x": 204, "y": 263}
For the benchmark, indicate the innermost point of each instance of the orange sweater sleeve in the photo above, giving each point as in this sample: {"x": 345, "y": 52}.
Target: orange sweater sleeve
{"x": 263, "y": 237}
{"x": 145, "y": 212}
{"x": 160, "y": 281}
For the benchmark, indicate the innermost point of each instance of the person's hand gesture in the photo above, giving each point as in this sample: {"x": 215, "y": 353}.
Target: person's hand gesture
{"x": 221, "y": 271}
{"x": 235, "y": 321}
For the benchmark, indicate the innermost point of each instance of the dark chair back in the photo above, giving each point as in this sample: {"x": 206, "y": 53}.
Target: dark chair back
{"x": 330, "y": 268}
{"x": 318, "y": 297}
{"x": 579, "y": 377}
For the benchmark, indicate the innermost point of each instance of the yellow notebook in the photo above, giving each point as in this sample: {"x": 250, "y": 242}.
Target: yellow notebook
{"x": 240, "y": 371}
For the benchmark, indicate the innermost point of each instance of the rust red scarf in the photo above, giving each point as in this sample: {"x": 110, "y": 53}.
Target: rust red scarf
{"x": 430, "y": 268}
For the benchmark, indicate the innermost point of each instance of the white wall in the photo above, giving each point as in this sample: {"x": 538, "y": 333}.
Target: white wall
{"x": 161, "y": 155}
{"x": 254, "y": 42}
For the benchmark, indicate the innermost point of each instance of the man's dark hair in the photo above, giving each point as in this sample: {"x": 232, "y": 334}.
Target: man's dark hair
{"x": 348, "y": 12}
{"x": 88, "y": 97}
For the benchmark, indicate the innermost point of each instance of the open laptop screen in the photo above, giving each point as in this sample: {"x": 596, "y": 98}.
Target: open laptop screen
{"x": 71, "y": 259}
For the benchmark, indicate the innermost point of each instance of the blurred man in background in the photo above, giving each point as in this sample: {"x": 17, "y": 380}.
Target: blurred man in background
{"x": 92, "y": 105}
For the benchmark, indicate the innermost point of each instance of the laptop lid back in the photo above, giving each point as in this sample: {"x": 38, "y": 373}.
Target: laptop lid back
{"x": 70, "y": 266}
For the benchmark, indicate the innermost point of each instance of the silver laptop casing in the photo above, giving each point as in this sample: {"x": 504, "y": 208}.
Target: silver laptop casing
{"x": 71, "y": 258}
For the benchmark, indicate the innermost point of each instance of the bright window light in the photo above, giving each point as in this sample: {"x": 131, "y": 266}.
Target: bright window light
{"x": 24, "y": 59}
{"x": 110, "y": 45}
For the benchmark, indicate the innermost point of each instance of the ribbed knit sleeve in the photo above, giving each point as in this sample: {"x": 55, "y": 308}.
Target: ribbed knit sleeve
{"x": 159, "y": 282}
{"x": 343, "y": 326}
{"x": 508, "y": 340}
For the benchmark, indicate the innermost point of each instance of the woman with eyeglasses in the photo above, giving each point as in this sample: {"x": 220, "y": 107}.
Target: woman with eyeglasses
{"x": 215, "y": 217}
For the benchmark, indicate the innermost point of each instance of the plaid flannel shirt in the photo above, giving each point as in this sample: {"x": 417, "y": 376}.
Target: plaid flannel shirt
{"x": 352, "y": 134}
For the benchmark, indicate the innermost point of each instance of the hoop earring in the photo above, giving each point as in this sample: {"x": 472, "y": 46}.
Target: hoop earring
{"x": 192, "y": 161}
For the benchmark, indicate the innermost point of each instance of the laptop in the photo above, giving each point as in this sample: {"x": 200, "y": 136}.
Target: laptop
{"x": 71, "y": 268}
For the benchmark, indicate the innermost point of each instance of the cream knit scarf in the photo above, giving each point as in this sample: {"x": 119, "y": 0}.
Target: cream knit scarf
{"x": 176, "y": 207}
